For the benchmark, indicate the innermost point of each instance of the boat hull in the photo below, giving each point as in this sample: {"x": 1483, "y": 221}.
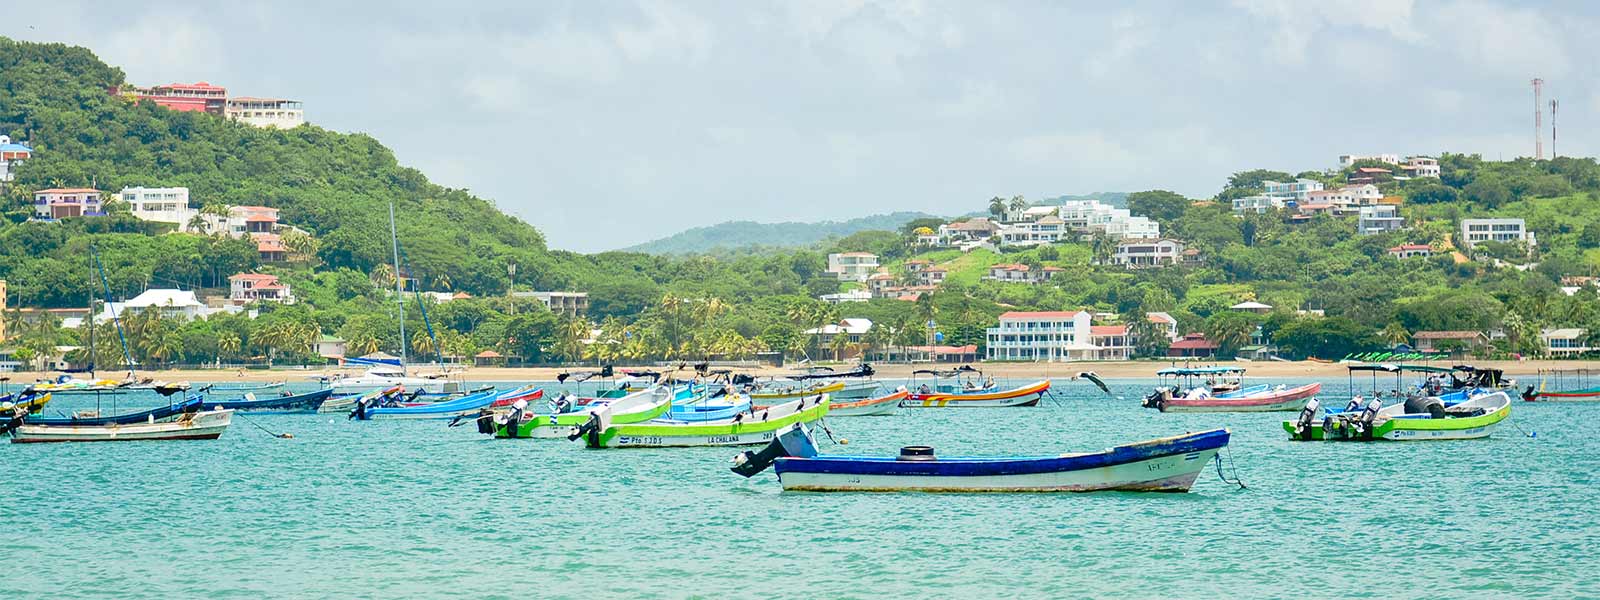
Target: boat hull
{"x": 856, "y": 390}
{"x": 1164, "y": 465}
{"x": 1407, "y": 429}
{"x": 1292, "y": 399}
{"x": 871, "y": 407}
{"x": 282, "y": 405}
{"x": 1027, "y": 395}
{"x": 207, "y": 425}
{"x": 1586, "y": 395}
{"x": 758, "y": 428}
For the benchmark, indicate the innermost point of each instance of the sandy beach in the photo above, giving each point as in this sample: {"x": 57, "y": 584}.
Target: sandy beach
{"x": 1108, "y": 369}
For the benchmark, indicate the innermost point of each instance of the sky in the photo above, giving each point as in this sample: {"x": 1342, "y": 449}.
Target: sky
{"x": 607, "y": 123}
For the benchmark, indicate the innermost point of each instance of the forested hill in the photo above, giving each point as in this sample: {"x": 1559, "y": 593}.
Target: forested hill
{"x": 749, "y": 234}
{"x": 336, "y": 186}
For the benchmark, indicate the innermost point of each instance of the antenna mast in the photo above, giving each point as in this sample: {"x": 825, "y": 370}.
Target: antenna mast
{"x": 1553, "y": 105}
{"x": 1538, "y": 120}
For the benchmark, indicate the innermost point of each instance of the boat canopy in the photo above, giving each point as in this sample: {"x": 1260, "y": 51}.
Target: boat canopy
{"x": 1387, "y": 368}
{"x": 1200, "y": 371}
{"x": 865, "y": 370}
{"x": 956, "y": 372}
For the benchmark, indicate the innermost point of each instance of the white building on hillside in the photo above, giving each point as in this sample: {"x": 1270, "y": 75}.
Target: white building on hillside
{"x": 244, "y": 288}
{"x": 1258, "y": 204}
{"x": 1379, "y": 218}
{"x": 1049, "y": 229}
{"x": 1295, "y": 191}
{"x": 12, "y": 155}
{"x": 1476, "y": 231}
{"x": 855, "y": 329}
{"x": 1091, "y": 216}
{"x": 1135, "y": 254}
{"x": 1041, "y": 336}
{"x": 1565, "y": 343}
{"x": 1347, "y": 200}
{"x": 853, "y": 266}
{"x": 267, "y": 112}
{"x": 1422, "y": 166}
{"x": 162, "y": 205}
{"x": 1348, "y": 160}
{"x": 173, "y": 304}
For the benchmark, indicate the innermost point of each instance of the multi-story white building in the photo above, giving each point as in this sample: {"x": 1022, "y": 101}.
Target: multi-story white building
{"x": 1136, "y": 254}
{"x": 1020, "y": 273}
{"x": 1294, "y": 191}
{"x": 1348, "y": 160}
{"x": 1379, "y": 218}
{"x": 1565, "y": 343}
{"x": 267, "y": 112}
{"x": 853, "y": 266}
{"x": 1042, "y": 336}
{"x": 1258, "y": 204}
{"x": 1348, "y": 199}
{"x": 244, "y": 288}
{"x": 163, "y": 205}
{"x": 61, "y": 203}
{"x": 1048, "y": 229}
{"x": 1091, "y": 216}
{"x": 1422, "y": 166}
{"x": 1475, "y": 231}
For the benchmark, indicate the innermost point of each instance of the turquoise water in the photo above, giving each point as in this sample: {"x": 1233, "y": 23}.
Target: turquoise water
{"x": 413, "y": 509}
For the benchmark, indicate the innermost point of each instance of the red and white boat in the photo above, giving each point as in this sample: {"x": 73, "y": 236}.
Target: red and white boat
{"x": 971, "y": 394}
{"x": 882, "y": 405}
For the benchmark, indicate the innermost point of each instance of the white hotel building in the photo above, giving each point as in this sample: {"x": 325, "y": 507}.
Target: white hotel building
{"x": 162, "y": 205}
{"x": 1042, "y": 336}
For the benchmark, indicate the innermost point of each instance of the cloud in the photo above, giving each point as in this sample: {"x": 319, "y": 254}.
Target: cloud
{"x": 1295, "y": 23}
{"x": 1500, "y": 39}
{"x": 165, "y": 47}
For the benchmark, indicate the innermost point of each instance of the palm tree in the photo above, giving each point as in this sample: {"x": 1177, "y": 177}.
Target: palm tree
{"x": 841, "y": 343}
{"x": 1229, "y": 330}
{"x": 1017, "y": 205}
{"x": 199, "y": 224}
{"x": 219, "y": 213}
{"x": 300, "y": 244}
{"x": 167, "y": 346}
{"x": 997, "y": 206}
{"x": 421, "y": 344}
{"x": 569, "y": 344}
{"x": 382, "y": 276}
{"x": 228, "y": 344}
{"x": 1395, "y": 334}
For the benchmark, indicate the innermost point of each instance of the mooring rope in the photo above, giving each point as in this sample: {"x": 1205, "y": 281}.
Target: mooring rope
{"x": 1232, "y": 466}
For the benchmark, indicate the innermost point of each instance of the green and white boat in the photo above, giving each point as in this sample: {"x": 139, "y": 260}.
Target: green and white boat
{"x": 1428, "y": 419}
{"x": 756, "y": 427}
{"x": 638, "y": 407}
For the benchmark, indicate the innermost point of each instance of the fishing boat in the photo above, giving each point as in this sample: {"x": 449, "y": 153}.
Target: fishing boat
{"x": 29, "y": 400}
{"x": 383, "y": 397}
{"x": 465, "y": 405}
{"x": 1571, "y": 385}
{"x": 637, "y": 407}
{"x": 528, "y": 393}
{"x": 1223, "y": 391}
{"x": 94, "y": 418}
{"x": 748, "y": 428}
{"x": 882, "y": 405}
{"x": 283, "y": 404}
{"x": 855, "y": 386}
{"x": 249, "y": 387}
{"x": 966, "y": 387}
{"x": 1168, "y": 464}
{"x": 704, "y": 410}
{"x": 203, "y": 425}
{"x": 770, "y": 393}
{"x": 1420, "y": 417}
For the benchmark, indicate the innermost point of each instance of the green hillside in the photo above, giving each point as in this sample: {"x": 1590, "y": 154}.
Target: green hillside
{"x": 751, "y": 235}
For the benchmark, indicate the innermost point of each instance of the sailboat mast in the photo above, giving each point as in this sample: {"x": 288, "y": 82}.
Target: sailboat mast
{"x": 399, "y": 294}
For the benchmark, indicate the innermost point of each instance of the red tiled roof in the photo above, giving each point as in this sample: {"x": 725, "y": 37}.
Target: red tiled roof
{"x": 1405, "y": 247}
{"x": 1049, "y": 314}
{"x": 253, "y": 277}
{"x": 1445, "y": 335}
{"x": 1155, "y": 318}
{"x": 1009, "y": 267}
{"x": 1108, "y": 330}
{"x": 1194, "y": 341}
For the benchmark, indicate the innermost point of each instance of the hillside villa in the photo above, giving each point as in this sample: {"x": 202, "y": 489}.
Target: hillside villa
{"x": 852, "y": 266}
{"x": 244, "y": 288}
{"x": 1405, "y": 251}
{"x": 1137, "y": 254}
{"x": 61, "y": 203}
{"x": 1041, "y": 336}
{"x": 1455, "y": 342}
{"x": 1020, "y": 273}
{"x": 11, "y": 155}
{"x": 1477, "y": 231}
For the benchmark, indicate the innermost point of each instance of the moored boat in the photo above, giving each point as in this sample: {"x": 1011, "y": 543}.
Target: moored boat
{"x": 637, "y": 407}
{"x": 1570, "y": 385}
{"x": 1222, "y": 389}
{"x": 748, "y": 428}
{"x": 986, "y": 396}
{"x": 882, "y": 405}
{"x": 339, "y": 404}
{"x": 1166, "y": 465}
{"x": 447, "y": 409}
{"x": 28, "y": 400}
{"x": 159, "y": 413}
{"x": 204, "y": 425}
{"x": 1418, "y": 418}
{"x": 283, "y": 404}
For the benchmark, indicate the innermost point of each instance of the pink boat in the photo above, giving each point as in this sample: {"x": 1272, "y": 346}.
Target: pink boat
{"x": 1254, "y": 399}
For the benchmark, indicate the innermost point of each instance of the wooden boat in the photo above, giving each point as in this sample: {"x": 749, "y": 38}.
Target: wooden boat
{"x": 159, "y": 413}
{"x": 285, "y": 404}
{"x": 1572, "y": 385}
{"x": 205, "y": 425}
{"x": 1161, "y": 465}
{"x": 778, "y": 395}
{"x": 1419, "y": 418}
{"x": 703, "y": 411}
{"x": 749, "y": 428}
{"x": 637, "y": 407}
{"x": 28, "y": 400}
{"x": 954, "y": 397}
{"x": 882, "y": 405}
{"x": 527, "y": 392}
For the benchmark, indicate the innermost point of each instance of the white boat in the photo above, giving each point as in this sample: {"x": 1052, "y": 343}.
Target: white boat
{"x": 856, "y": 390}
{"x": 381, "y": 378}
{"x": 206, "y": 425}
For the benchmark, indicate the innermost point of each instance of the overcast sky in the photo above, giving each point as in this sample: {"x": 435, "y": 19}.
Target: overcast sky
{"x": 610, "y": 123}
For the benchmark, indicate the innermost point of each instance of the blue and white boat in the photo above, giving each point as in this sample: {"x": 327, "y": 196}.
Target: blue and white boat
{"x": 1168, "y": 464}
{"x": 703, "y": 410}
{"x": 448, "y": 409}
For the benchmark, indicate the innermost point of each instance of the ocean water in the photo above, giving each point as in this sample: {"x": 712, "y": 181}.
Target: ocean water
{"x": 415, "y": 509}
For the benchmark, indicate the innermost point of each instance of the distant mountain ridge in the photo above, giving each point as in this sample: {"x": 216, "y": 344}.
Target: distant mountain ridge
{"x": 750, "y": 234}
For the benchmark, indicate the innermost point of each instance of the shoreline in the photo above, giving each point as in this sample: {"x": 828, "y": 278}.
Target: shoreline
{"x": 1140, "y": 369}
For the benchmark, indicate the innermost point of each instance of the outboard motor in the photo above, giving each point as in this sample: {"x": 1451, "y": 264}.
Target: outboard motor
{"x": 1354, "y": 404}
{"x": 749, "y": 463}
{"x": 359, "y": 413}
{"x": 514, "y": 419}
{"x": 562, "y": 404}
{"x": 1155, "y": 399}
{"x": 485, "y": 420}
{"x": 1368, "y": 415}
{"x": 1306, "y": 415}
{"x": 1529, "y": 395}
{"x": 589, "y": 428}
{"x": 12, "y": 417}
